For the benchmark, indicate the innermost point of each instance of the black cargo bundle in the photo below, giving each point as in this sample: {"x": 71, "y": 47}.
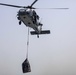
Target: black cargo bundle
{"x": 26, "y": 66}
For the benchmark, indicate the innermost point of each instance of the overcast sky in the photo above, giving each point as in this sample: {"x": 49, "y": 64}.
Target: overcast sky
{"x": 53, "y": 54}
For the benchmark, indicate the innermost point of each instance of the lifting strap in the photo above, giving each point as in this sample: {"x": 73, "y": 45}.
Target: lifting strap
{"x": 26, "y": 65}
{"x": 27, "y": 43}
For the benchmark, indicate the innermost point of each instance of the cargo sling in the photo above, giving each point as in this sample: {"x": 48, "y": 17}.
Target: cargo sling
{"x": 26, "y": 65}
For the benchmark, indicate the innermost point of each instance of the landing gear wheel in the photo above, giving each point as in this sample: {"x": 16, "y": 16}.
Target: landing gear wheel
{"x": 18, "y": 18}
{"x": 19, "y": 22}
{"x": 37, "y": 36}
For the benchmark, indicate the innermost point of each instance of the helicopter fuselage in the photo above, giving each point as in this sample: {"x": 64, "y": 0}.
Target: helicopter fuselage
{"x": 30, "y": 18}
{"x": 27, "y": 18}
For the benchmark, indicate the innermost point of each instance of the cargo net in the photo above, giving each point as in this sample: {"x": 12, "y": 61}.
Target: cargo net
{"x": 26, "y": 65}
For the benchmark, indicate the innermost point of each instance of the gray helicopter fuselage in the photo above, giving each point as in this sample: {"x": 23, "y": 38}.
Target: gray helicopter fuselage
{"x": 27, "y": 18}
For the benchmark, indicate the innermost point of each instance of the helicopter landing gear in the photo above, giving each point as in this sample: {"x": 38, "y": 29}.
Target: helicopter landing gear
{"x": 37, "y": 36}
{"x": 19, "y": 22}
{"x": 18, "y": 18}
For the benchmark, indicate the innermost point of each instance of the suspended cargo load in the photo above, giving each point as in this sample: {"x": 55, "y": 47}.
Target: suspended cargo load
{"x": 26, "y": 66}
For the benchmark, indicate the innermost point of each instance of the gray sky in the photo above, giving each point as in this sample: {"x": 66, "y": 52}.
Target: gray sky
{"x": 53, "y": 54}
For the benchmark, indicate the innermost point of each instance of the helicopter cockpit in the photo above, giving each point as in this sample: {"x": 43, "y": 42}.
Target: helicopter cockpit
{"x": 21, "y": 12}
{"x": 34, "y": 16}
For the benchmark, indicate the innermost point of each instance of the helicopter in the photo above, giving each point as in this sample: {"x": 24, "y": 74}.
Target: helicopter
{"x": 30, "y": 18}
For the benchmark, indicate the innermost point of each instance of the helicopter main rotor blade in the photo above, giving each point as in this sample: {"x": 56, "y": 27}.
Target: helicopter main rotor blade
{"x": 30, "y": 7}
{"x": 53, "y": 8}
{"x": 12, "y": 5}
{"x": 33, "y": 3}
